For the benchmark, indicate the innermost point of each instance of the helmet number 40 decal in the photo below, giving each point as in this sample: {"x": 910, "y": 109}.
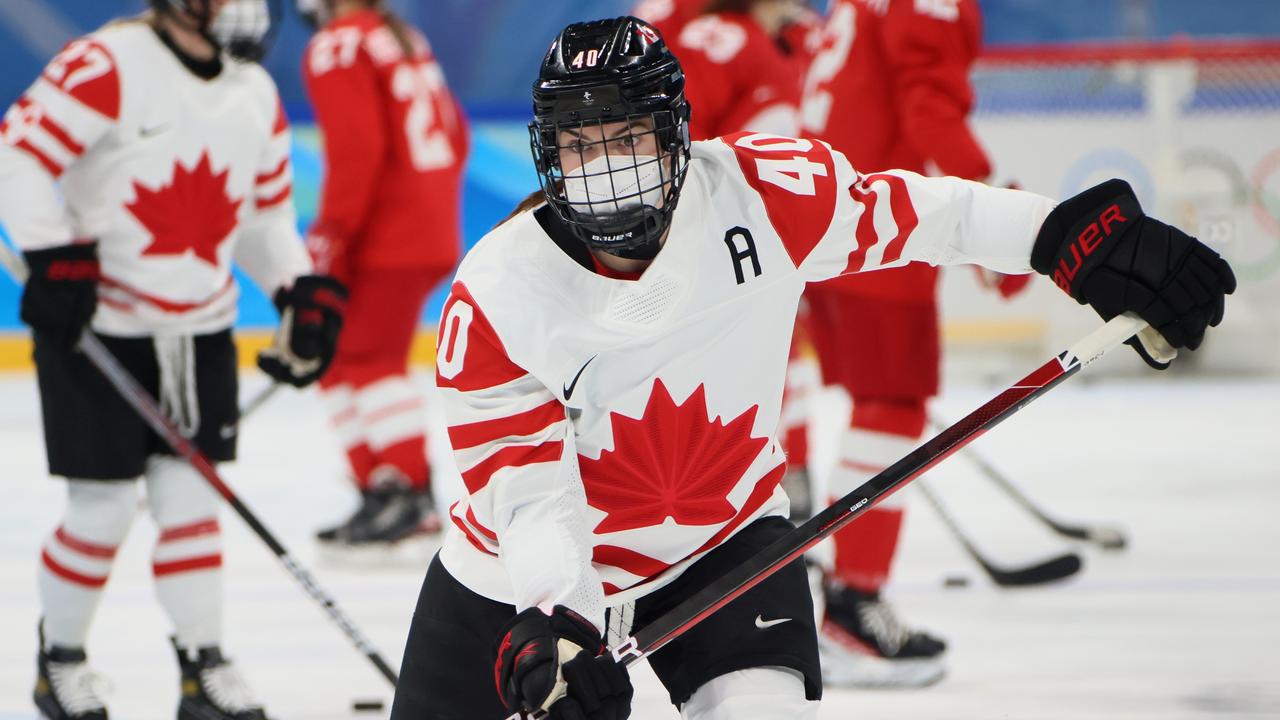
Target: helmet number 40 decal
{"x": 586, "y": 58}
{"x": 794, "y": 174}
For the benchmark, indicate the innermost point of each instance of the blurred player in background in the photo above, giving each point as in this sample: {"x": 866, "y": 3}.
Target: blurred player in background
{"x": 388, "y": 225}
{"x": 742, "y": 73}
{"x": 138, "y": 167}
{"x": 611, "y": 363}
{"x": 889, "y": 87}
{"x": 669, "y": 16}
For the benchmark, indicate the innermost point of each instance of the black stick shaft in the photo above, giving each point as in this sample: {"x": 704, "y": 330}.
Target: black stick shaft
{"x": 146, "y": 407}
{"x": 794, "y": 544}
{"x": 149, "y": 411}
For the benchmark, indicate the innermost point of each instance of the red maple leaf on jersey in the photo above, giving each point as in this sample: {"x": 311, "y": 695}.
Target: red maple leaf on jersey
{"x": 191, "y": 214}
{"x": 671, "y": 462}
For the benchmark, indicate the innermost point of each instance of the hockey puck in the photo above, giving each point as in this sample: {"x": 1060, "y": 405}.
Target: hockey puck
{"x": 367, "y": 705}
{"x": 955, "y": 581}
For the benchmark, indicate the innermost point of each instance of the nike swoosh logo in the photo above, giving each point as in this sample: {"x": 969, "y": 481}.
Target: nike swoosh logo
{"x": 568, "y": 389}
{"x": 147, "y": 132}
{"x": 766, "y": 624}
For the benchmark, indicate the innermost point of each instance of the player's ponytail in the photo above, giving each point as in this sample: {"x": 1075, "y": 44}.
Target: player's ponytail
{"x": 534, "y": 199}
{"x": 398, "y": 27}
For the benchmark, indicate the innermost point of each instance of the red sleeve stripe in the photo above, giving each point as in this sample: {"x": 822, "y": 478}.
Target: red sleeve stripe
{"x": 66, "y": 573}
{"x": 522, "y": 424}
{"x": 190, "y": 530}
{"x": 508, "y": 457}
{"x": 268, "y": 177}
{"x": 61, "y": 136}
{"x": 904, "y": 214}
{"x": 84, "y": 547}
{"x": 203, "y": 562}
{"x": 470, "y": 536}
{"x": 274, "y": 200}
{"x": 54, "y": 168}
{"x": 471, "y": 520}
{"x": 866, "y": 230}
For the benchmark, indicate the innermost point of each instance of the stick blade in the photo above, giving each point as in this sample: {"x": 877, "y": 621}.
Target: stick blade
{"x": 1051, "y": 570}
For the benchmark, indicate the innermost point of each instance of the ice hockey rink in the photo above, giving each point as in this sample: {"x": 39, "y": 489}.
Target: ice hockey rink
{"x": 1182, "y": 624}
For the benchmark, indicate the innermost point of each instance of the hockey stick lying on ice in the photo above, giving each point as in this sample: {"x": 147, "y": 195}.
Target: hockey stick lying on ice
{"x": 794, "y": 544}
{"x": 1055, "y": 568}
{"x": 150, "y": 412}
{"x": 1107, "y": 537}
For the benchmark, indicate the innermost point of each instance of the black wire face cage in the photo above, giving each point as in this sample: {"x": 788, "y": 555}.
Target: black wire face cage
{"x": 623, "y": 179}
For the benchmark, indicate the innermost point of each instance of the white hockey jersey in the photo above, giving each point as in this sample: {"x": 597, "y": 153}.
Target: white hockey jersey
{"x": 610, "y": 432}
{"x": 174, "y": 176}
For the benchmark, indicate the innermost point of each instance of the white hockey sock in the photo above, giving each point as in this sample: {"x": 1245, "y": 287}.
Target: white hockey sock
{"x": 863, "y": 454}
{"x": 391, "y": 411}
{"x": 187, "y": 560}
{"x": 340, "y": 402}
{"x": 765, "y": 693}
{"x": 76, "y": 560}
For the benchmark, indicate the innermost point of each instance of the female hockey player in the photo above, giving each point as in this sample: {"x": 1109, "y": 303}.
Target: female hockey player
{"x": 172, "y": 161}
{"x": 388, "y": 227}
{"x": 611, "y": 361}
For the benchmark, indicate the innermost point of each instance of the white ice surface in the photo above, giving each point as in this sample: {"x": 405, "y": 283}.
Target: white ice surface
{"x": 1184, "y": 624}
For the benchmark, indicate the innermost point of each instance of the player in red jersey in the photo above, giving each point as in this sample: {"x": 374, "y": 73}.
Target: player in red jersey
{"x": 669, "y": 16}
{"x": 889, "y": 87}
{"x": 389, "y": 225}
{"x": 740, "y": 72}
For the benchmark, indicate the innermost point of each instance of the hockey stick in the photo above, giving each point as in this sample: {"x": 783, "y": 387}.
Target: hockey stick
{"x": 1107, "y": 537}
{"x": 794, "y": 544}
{"x": 1055, "y": 568}
{"x": 150, "y": 412}
{"x": 249, "y": 408}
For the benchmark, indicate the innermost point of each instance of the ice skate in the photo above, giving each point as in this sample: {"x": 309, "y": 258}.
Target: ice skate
{"x": 65, "y": 685}
{"x": 863, "y": 644}
{"x": 212, "y": 688}
{"x": 389, "y": 512}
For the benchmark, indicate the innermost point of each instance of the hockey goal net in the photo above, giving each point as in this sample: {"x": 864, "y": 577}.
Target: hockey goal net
{"x": 1194, "y": 126}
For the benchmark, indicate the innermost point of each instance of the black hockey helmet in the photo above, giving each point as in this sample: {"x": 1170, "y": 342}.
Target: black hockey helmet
{"x": 616, "y": 73}
{"x": 245, "y": 29}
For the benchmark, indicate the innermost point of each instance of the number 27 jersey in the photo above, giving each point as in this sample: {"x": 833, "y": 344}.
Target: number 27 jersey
{"x": 395, "y": 145}
{"x": 610, "y": 432}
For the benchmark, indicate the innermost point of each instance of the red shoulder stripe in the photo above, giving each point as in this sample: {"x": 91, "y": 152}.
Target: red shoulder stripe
{"x": 469, "y": 354}
{"x": 86, "y": 70}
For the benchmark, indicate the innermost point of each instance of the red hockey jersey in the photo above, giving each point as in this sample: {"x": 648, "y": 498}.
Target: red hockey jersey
{"x": 890, "y": 88}
{"x": 395, "y": 146}
{"x": 737, "y": 77}
{"x": 669, "y": 16}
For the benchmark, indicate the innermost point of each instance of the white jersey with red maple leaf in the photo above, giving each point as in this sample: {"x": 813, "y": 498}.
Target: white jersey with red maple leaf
{"x": 610, "y": 432}
{"x": 175, "y": 177}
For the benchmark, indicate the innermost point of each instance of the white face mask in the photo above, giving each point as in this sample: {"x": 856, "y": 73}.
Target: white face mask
{"x": 611, "y": 184}
{"x": 244, "y": 21}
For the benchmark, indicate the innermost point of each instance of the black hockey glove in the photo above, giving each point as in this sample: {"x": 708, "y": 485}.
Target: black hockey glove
{"x": 310, "y": 319}
{"x": 558, "y": 663}
{"x": 1102, "y": 250}
{"x": 61, "y": 294}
